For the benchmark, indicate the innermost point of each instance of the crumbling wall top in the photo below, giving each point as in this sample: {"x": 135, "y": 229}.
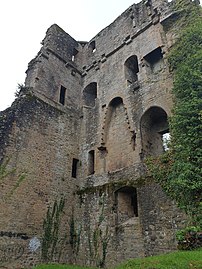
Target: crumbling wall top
{"x": 58, "y": 41}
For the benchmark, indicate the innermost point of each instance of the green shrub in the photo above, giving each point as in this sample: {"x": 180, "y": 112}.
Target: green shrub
{"x": 189, "y": 238}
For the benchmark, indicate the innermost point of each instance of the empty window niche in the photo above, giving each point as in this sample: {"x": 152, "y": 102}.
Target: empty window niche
{"x": 75, "y": 51}
{"x": 154, "y": 131}
{"x": 154, "y": 60}
{"x": 74, "y": 167}
{"x": 62, "y": 95}
{"x": 131, "y": 69}
{"x": 92, "y": 46}
{"x": 90, "y": 94}
{"x": 91, "y": 162}
{"x": 127, "y": 203}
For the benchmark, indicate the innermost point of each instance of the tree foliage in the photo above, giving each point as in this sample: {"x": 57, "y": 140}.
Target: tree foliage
{"x": 180, "y": 170}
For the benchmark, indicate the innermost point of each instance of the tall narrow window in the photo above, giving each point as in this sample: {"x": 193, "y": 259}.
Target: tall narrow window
{"x": 62, "y": 95}
{"x": 131, "y": 69}
{"x": 74, "y": 167}
{"x": 91, "y": 162}
{"x": 134, "y": 202}
{"x": 92, "y": 46}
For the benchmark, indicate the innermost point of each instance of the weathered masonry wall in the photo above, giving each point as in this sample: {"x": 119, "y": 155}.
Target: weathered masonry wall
{"x": 127, "y": 230}
{"x": 53, "y": 71}
{"x": 79, "y": 132}
{"x": 128, "y": 66}
{"x": 42, "y": 142}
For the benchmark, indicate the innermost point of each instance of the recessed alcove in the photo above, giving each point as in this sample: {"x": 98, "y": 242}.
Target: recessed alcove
{"x": 131, "y": 69}
{"x": 90, "y": 94}
{"x": 126, "y": 203}
{"x": 153, "y": 126}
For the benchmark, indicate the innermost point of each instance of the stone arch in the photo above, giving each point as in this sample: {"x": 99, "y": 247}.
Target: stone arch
{"x": 90, "y": 94}
{"x": 153, "y": 125}
{"x": 131, "y": 69}
{"x": 116, "y": 101}
{"x": 118, "y": 139}
{"x": 126, "y": 203}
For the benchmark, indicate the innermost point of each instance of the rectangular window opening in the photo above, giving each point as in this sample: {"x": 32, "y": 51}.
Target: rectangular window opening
{"x": 154, "y": 56}
{"x": 62, "y": 95}
{"x": 134, "y": 203}
{"x": 155, "y": 59}
{"x": 126, "y": 202}
{"x": 74, "y": 167}
{"x": 91, "y": 162}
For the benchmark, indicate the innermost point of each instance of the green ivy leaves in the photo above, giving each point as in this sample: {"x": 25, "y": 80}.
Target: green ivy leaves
{"x": 179, "y": 171}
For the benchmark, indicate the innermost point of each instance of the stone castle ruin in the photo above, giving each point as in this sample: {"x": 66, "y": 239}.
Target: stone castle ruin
{"x": 72, "y": 146}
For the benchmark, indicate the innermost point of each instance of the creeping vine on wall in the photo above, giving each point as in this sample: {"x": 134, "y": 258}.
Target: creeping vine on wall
{"x": 51, "y": 227}
{"x": 5, "y": 172}
{"x": 179, "y": 170}
{"x": 75, "y": 230}
{"x": 98, "y": 238}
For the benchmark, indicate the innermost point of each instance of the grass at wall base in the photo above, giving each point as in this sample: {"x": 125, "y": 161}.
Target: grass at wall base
{"x": 174, "y": 260}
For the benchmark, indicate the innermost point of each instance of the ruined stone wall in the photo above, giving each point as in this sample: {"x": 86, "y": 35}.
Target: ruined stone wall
{"x": 53, "y": 69}
{"x": 81, "y": 128}
{"x": 132, "y": 67}
{"x": 42, "y": 144}
{"x": 127, "y": 64}
{"x": 134, "y": 216}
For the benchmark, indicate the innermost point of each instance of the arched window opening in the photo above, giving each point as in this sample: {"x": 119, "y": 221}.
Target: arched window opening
{"x": 91, "y": 162}
{"x": 92, "y": 46}
{"x": 126, "y": 203}
{"x": 154, "y": 60}
{"x": 154, "y": 131}
{"x": 131, "y": 69}
{"x": 90, "y": 94}
{"x": 116, "y": 102}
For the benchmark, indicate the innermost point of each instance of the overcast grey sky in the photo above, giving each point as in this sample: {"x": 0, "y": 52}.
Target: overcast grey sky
{"x": 23, "y": 25}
